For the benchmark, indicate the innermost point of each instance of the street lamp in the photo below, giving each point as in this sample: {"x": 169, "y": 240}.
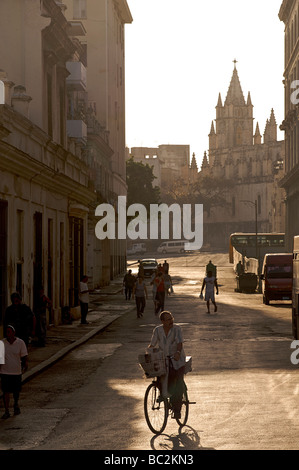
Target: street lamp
{"x": 255, "y": 205}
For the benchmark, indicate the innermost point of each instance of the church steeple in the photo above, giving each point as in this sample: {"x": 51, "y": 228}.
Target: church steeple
{"x": 193, "y": 163}
{"x": 257, "y": 136}
{"x": 235, "y": 94}
{"x": 234, "y": 119}
{"x": 270, "y": 133}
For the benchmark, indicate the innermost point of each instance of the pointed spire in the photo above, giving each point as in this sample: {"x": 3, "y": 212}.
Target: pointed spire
{"x": 249, "y": 102}
{"x": 193, "y": 162}
{"x": 212, "y": 131}
{"x": 257, "y": 138}
{"x": 219, "y": 104}
{"x": 272, "y": 121}
{"x": 270, "y": 133}
{"x": 205, "y": 162}
{"x": 257, "y": 130}
{"x": 235, "y": 94}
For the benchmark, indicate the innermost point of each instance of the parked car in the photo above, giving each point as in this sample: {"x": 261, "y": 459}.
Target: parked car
{"x": 136, "y": 249}
{"x": 149, "y": 266}
{"x": 277, "y": 277}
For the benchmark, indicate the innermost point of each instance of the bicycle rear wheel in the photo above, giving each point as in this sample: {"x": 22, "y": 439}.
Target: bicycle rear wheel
{"x": 184, "y": 410}
{"x": 155, "y": 409}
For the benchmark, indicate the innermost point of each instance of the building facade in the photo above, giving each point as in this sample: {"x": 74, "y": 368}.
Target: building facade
{"x": 289, "y": 14}
{"x": 247, "y": 168}
{"x": 104, "y": 41}
{"x": 58, "y": 160}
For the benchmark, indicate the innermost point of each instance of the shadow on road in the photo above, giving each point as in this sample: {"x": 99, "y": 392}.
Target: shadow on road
{"x": 186, "y": 439}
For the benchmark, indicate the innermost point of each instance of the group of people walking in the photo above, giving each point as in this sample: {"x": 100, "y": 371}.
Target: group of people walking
{"x": 136, "y": 288}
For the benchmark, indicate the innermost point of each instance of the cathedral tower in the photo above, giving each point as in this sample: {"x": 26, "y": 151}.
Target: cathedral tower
{"x": 234, "y": 119}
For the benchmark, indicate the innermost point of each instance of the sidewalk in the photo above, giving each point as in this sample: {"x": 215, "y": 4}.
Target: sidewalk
{"x": 105, "y": 306}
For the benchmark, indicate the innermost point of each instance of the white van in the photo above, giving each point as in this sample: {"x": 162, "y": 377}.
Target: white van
{"x": 175, "y": 246}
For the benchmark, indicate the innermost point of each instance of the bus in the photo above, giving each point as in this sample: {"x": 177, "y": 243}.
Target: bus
{"x": 245, "y": 243}
{"x": 295, "y": 293}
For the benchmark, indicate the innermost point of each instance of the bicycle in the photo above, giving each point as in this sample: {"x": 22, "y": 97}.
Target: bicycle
{"x": 158, "y": 408}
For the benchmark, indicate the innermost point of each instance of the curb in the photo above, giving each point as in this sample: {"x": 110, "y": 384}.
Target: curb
{"x": 64, "y": 351}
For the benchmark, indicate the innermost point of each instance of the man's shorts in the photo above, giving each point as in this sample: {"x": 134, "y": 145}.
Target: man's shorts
{"x": 11, "y": 383}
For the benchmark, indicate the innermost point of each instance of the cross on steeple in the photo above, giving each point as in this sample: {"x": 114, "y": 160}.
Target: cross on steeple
{"x": 235, "y": 61}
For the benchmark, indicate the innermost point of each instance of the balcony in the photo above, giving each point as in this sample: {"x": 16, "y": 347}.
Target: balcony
{"x": 77, "y": 129}
{"x": 77, "y": 80}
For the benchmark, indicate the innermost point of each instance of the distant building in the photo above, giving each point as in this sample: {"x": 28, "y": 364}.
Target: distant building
{"x": 169, "y": 162}
{"x": 289, "y": 14}
{"x": 247, "y": 168}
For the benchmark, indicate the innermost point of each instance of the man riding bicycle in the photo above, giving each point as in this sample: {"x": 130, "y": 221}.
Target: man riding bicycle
{"x": 169, "y": 339}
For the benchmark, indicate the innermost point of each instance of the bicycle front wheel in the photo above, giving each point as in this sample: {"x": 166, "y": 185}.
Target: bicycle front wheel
{"x": 155, "y": 409}
{"x": 184, "y": 410}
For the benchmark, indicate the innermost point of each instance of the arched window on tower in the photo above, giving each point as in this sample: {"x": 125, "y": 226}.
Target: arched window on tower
{"x": 2, "y": 93}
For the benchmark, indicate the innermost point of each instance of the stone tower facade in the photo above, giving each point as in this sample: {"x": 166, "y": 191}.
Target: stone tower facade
{"x": 251, "y": 168}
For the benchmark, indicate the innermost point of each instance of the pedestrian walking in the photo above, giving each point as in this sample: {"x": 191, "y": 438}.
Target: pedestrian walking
{"x": 166, "y": 267}
{"x": 154, "y": 289}
{"x": 84, "y": 299}
{"x": 168, "y": 284}
{"x": 128, "y": 284}
{"x": 168, "y": 338}
{"x": 210, "y": 283}
{"x": 140, "y": 294}
{"x": 20, "y": 316}
{"x": 140, "y": 269}
{"x": 43, "y": 302}
{"x": 160, "y": 292}
{"x": 16, "y": 362}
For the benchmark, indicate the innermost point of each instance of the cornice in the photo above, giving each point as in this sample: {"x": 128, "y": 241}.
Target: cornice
{"x": 123, "y": 11}
{"x": 286, "y": 10}
{"x": 290, "y": 178}
{"x": 21, "y": 164}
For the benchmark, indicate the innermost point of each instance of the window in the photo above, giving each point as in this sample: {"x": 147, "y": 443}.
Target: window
{"x": 80, "y": 10}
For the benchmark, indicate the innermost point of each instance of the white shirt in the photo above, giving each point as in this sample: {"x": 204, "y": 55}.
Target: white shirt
{"x": 210, "y": 284}
{"x": 84, "y": 297}
{"x": 13, "y": 354}
{"x": 168, "y": 344}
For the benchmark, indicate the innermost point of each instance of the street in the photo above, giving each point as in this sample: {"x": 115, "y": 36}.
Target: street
{"x": 243, "y": 383}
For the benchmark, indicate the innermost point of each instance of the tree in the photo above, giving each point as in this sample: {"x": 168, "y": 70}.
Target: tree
{"x": 140, "y": 179}
{"x": 207, "y": 190}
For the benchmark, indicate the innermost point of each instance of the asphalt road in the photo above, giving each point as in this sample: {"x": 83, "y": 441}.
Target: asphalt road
{"x": 243, "y": 381}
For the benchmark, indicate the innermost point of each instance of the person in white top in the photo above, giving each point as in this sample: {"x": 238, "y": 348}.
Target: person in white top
{"x": 84, "y": 299}
{"x": 11, "y": 371}
{"x": 210, "y": 282}
{"x": 168, "y": 338}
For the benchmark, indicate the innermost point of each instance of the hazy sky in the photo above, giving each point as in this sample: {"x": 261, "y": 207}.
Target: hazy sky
{"x": 179, "y": 56}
